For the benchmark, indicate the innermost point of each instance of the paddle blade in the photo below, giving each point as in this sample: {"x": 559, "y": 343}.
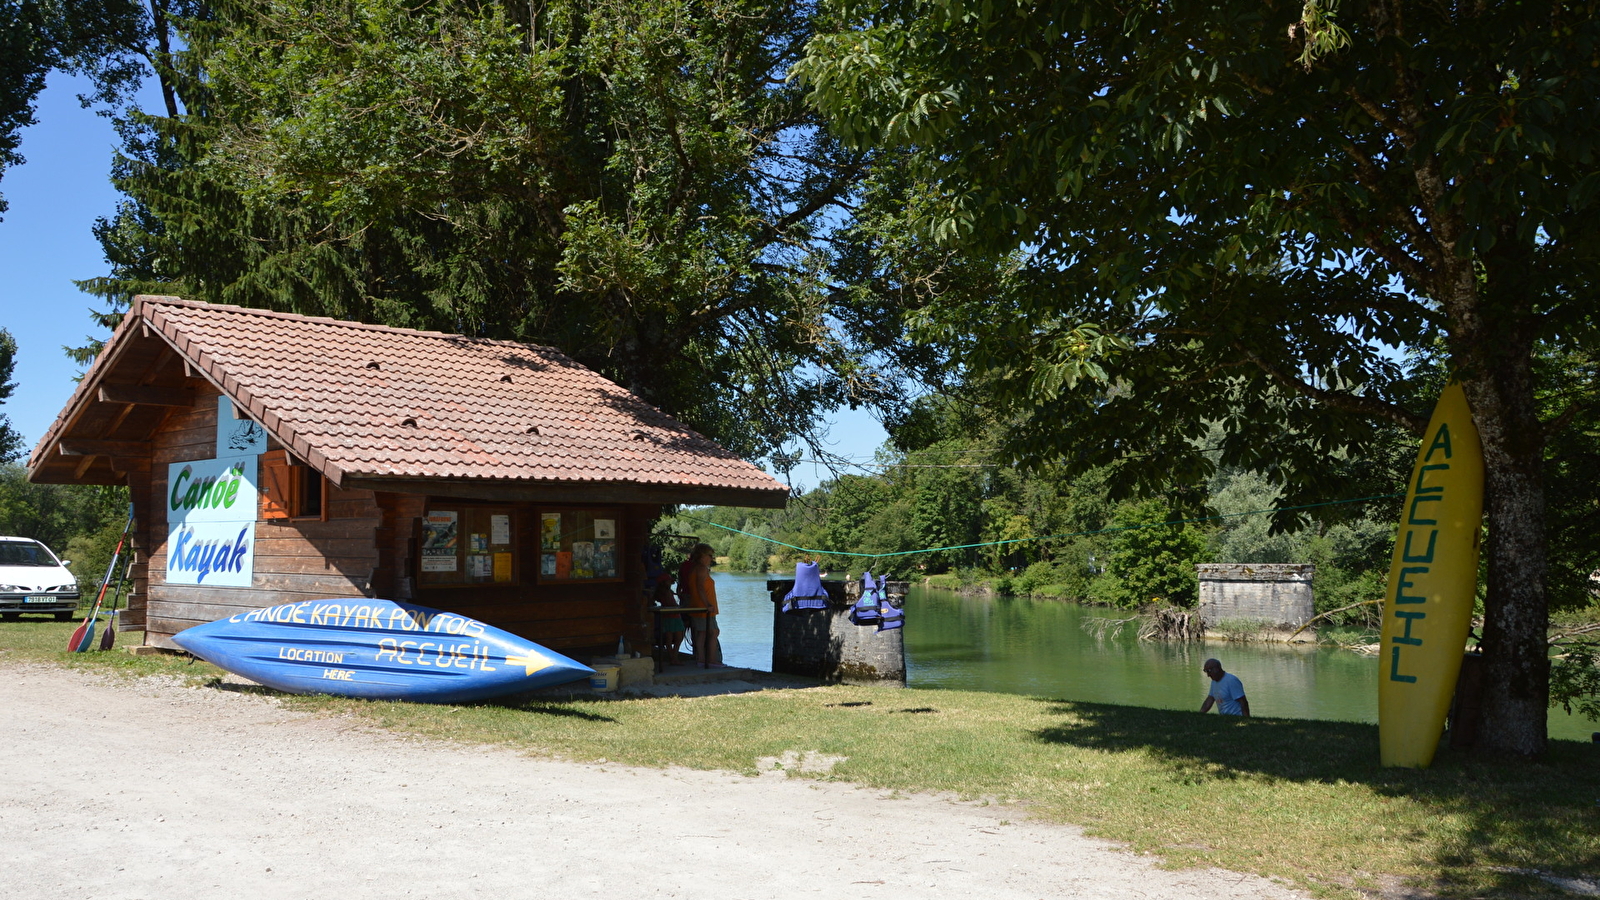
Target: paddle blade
{"x": 108, "y": 638}
{"x": 76, "y": 641}
{"x": 88, "y": 637}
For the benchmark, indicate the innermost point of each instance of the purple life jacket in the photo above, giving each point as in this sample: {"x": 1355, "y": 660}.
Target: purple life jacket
{"x": 865, "y": 612}
{"x": 889, "y": 615}
{"x": 808, "y": 592}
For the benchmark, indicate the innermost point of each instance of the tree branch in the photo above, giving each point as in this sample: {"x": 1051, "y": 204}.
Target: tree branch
{"x": 1366, "y": 406}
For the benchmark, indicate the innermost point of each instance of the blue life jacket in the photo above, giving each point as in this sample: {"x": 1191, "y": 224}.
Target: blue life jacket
{"x": 889, "y": 615}
{"x": 865, "y": 612}
{"x": 807, "y": 592}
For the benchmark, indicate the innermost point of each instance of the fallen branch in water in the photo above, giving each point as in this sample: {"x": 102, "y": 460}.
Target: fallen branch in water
{"x": 1562, "y": 638}
{"x": 1171, "y": 623}
{"x": 1100, "y": 626}
{"x": 1330, "y": 612}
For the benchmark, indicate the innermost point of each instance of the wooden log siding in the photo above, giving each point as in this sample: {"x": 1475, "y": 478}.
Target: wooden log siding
{"x": 294, "y": 560}
{"x": 368, "y": 546}
{"x": 559, "y": 616}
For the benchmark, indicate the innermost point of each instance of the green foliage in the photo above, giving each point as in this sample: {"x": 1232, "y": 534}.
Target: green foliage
{"x": 1575, "y": 679}
{"x": 1151, "y": 564}
{"x": 1572, "y": 476}
{"x": 946, "y": 506}
{"x": 1351, "y": 554}
{"x": 26, "y": 55}
{"x": 72, "y": 520}
{"x": 633, "y": 183}
{"x": 90, "y": 553}
{"x": 1071, "y": 542}
{"x": 10, "y": 438}
{"x": 1239, "y": 212}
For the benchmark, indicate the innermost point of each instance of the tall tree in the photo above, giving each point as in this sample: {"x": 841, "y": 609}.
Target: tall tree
{"x": 26, "y": 56}
{"x": 633, "y": 182}
{"x": 10, "y": 440}
{"x": 1257, "y": 202}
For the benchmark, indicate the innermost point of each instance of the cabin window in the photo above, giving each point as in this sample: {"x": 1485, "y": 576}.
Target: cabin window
{"x": 468, "y": 545}
{"x": 291, "y": 489}
{"x": 578, "y": 544}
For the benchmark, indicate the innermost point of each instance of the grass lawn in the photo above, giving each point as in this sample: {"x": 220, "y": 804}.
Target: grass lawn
{"x": 1300, "y": 800}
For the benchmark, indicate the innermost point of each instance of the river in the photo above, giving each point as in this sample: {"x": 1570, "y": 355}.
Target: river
{"x": 1040, "y": 648}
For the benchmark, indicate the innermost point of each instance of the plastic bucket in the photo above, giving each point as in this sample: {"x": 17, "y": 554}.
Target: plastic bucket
{"x": 605, "y": 678}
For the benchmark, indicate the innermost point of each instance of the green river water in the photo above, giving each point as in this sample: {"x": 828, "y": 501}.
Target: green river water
{"x": 1040, "y": 648}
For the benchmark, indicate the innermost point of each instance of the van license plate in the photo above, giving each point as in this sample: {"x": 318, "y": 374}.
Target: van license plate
{"x": 39, "y": 598}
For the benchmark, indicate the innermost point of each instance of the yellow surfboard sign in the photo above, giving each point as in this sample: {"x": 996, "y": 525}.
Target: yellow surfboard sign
{"x": 1433, "y": 578}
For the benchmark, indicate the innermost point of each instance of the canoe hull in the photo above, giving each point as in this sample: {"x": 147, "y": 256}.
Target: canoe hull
{"x": 377, "y": 650}
{"x": 1433, "y": 580}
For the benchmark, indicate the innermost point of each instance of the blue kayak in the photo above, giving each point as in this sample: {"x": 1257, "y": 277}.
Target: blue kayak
{"x": 377, "y": 650}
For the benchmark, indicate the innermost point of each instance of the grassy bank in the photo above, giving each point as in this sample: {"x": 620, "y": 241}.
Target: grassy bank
{"x": 1303, "y": 801}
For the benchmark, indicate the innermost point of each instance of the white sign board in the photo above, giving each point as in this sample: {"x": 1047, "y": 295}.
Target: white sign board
{"x": 211, "y": 514}
{"x": 237, "y": 436}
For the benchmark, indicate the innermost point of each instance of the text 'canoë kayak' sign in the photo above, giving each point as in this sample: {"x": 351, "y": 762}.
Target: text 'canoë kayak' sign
{"x": 211, "y": 514}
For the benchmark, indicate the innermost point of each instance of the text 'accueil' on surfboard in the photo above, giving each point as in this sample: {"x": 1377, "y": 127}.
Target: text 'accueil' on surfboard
{"x": 377, "y": 650}
{"x": 1433, "y": 579}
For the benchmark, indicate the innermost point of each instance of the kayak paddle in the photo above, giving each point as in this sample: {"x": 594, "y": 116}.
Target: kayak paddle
{"x": 84, "y": 634}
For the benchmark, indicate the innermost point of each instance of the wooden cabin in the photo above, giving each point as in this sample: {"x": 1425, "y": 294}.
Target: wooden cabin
{"x": 274, "y": 458}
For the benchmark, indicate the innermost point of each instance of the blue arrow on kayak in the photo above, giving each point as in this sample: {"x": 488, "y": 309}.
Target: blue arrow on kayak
{"x": 377, "y": 650}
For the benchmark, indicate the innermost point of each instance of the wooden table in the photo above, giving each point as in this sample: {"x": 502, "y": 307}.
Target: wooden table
{"x": 658, "y": 651}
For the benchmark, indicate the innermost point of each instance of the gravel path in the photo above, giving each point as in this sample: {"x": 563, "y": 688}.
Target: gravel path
{"x": 145, "y": 789}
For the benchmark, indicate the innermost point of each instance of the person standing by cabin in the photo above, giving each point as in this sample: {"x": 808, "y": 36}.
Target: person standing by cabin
{"x": 1227, "y": 692}
{"x": 669, "y": 628}
{"x": 701, "y": 591}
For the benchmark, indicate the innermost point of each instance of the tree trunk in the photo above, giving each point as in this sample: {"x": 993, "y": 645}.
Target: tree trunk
{"x": 1499, "y": 383}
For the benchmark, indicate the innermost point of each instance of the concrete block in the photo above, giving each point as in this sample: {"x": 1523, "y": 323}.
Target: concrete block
{"x": 825, "y": 644}
{"x": 1278, "y": 594}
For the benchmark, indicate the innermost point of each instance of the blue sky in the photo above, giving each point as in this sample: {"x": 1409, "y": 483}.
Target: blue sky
{"x": 46, "y": 244}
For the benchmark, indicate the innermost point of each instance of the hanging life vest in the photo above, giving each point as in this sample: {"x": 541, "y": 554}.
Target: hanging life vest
{"x": 889, "y": 615}
{"x": 865, "y": 612}
{"x": 808, "y": 592}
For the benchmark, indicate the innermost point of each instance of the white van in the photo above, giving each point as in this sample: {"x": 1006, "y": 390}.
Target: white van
{"x": 33, "y": 580}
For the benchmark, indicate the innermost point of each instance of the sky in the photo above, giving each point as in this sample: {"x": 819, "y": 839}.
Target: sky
{"x": 46, "y": 244}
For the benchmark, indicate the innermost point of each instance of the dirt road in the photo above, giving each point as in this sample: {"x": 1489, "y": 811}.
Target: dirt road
{"x": 144, "y": 789}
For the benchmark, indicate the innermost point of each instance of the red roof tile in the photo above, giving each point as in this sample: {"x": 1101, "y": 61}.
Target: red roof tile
{"x": 371, "y": 401}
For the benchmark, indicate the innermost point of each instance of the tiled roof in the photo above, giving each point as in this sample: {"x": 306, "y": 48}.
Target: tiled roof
{"x": 377, "y": 402}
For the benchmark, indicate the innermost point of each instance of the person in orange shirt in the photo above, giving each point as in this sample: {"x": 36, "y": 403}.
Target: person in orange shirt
{"x": 702, "y": 591}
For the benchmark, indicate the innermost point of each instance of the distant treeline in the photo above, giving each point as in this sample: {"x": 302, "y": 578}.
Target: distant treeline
{"x": 80, "y": 523}
{"x": 1069, "y": 540}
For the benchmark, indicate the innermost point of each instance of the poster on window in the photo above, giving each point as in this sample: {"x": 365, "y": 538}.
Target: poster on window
{"x": 583, "y": 559}
{"x": 439, "y": 541}
{"x": 605, "y": 529}
{"x": 500, "y": 530}
{"x": 605, "y": 559}
{"x": 550, "y": 531}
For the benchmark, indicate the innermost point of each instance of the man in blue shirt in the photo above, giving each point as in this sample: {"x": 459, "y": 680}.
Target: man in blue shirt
{"x": 1226, "y": 692}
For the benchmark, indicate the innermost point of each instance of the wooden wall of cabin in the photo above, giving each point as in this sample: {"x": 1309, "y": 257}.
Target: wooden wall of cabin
{"x": 295, "y": 559}
{"x": 368, "y": 546}
{"x": 577, "y": 618}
